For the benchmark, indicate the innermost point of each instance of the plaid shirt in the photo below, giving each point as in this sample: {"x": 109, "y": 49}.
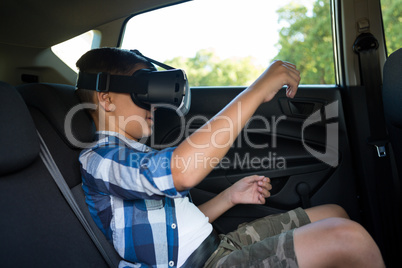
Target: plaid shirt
{"x": 129, "y": 190}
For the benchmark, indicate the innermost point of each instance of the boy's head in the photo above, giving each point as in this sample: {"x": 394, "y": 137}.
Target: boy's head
{"x": 115, "y": 111}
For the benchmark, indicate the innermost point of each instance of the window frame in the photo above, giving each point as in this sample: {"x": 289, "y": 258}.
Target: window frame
{"x": 336, "y": 22}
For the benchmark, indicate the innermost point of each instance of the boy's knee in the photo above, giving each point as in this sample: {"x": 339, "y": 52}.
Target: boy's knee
{"x": 346, "y": 232}
{"x": 350, "y": 240}
{"x": 337, "y": 242}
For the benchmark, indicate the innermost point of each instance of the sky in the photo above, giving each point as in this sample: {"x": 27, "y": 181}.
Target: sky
{"x": 232, "y": 28}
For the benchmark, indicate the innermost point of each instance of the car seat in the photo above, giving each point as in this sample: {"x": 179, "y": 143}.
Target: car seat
{"x": 38, "y": 227}
{"x": 392, "y": 99}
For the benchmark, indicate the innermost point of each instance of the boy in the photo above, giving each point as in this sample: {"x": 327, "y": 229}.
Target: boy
{"x": 138, "y": 196}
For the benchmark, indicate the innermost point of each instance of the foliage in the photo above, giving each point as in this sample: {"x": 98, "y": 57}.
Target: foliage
{"x": 392, "y": 17}
{"x": 307, "y": 41}
{"x": 206, "y": 69}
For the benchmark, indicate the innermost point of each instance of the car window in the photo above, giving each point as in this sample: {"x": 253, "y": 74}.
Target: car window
{"x": 71, "y": 50}
{"x": 392, "y": 20}
{"x": 230, "y": 42}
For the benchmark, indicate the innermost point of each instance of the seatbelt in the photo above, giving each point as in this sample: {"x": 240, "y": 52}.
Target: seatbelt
{"x": 384, "y": 176}
{"x": 366, "y": 46}
{"x": 65, "y": 190}
{"x": 200, "y": 256}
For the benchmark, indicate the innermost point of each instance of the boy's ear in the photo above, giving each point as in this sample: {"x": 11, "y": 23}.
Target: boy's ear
{"x": 104, "y": 101}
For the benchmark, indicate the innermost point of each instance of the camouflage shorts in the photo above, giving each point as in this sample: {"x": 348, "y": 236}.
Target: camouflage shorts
{"x": 266, "y": 242}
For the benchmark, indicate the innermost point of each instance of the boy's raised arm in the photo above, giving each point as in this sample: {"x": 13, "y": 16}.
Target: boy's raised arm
{"x": 196, "y": 156}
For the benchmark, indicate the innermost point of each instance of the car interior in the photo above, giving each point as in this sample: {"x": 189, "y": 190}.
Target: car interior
{"x": 337, "y": 143}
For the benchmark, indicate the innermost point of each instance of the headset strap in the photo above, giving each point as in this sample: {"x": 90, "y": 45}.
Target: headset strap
{"x": 160, "y": 64}
{"x": 105, "y": 82}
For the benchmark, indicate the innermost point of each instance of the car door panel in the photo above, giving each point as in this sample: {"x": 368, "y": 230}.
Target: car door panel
{"x": 277, "y": 142}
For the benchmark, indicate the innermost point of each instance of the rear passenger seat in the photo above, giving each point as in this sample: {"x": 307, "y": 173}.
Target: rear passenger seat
{"x": 38, "y": 228}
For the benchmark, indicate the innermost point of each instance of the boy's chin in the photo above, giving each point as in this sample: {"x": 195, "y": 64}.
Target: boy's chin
{"x": 140, "y": 137}
{"x": 146, "y": 135}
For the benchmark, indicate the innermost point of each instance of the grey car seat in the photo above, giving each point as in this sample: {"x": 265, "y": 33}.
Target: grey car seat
{"x": 38, "y": 228}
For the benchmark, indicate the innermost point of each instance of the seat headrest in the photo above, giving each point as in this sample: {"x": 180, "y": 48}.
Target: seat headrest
{"x": 19, "y": 141}
{"x": 55, "y": 101}
{"x": 392, "y": 88}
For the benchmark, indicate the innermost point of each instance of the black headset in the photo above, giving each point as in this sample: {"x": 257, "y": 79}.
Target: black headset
{"x": 147, "y": 87}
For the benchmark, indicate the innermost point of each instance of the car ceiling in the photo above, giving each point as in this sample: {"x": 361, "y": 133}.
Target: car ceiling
{"x": 44, "y": 23}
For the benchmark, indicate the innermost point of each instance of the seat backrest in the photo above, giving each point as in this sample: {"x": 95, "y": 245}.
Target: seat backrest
{"x": 38, "y": 227}
{"x": 65, "y": 127}
{"x": 392, "y": 98}
{"x": 49, "y": 106}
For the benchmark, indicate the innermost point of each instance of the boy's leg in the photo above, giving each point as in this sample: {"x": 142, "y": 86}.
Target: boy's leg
{"x": 276, "y": 251}
{"x": 331, "y": 240}
{"x": 326, "y": 211}
{"x": 261, "y": 243}
{"x": 258, "y": 230}
{"x": 335, "y": 242}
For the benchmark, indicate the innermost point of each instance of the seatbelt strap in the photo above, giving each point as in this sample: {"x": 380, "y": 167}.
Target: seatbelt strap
{"x": 384, "y": 176}
{"x": 366, "y": 46}
{"x": 65, "y": 190}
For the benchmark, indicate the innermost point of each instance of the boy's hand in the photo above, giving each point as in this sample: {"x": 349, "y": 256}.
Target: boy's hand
{"x": 277, "y": 75}
{"x": 250, "y": 190}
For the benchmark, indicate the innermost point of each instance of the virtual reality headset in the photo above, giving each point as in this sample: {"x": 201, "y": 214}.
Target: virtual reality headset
{"x": 146, "y": 86}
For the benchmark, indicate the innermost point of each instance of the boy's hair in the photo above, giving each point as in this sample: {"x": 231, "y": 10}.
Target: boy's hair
{"x": 110, "y": 60}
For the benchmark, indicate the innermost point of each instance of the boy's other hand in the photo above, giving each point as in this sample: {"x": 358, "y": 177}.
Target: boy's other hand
{"x": 250, "y": 190}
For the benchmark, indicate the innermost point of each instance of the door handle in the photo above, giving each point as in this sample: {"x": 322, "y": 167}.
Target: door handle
{"x": 300, "y": 107}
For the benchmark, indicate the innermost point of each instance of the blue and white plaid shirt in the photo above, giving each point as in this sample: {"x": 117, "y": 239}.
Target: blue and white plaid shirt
{"x": 129, "y": 190}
